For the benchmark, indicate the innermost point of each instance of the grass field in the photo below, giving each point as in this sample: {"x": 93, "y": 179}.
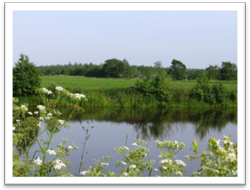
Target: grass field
{"x": 103, "y": 83}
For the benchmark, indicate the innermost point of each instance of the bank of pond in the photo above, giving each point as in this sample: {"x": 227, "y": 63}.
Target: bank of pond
{"x": 132, "y": 97}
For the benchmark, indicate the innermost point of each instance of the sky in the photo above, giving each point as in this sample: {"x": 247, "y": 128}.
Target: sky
{"x": 197, "y": 34}
{"x": 196, "y": 38}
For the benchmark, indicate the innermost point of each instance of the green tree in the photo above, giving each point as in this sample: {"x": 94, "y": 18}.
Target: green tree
{"x": 178, "y": 70}
{"x": 228, "y": 71}
{"x": 26, "y": 77}
{"x": 116, "y": 68}
{"x": 213, "y": 72}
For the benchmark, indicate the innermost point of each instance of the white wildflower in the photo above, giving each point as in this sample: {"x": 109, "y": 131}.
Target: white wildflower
{"x": 51, "y": 152}
{"x": 46, "y": 91}
{"x": 126, "y": 148}
{"x": 132, "y": 166}
{"x": 125, "y": 173}
{"x": 49, "y": 114}
{"x": 231, "y": 157}
{"x": 36, "y": 112}
{"x": 166, "y": 161}
{"x": 70, "y": 147}
{"x": 41, "y": 108}
{"x": 179, "y": 173}
{"x": 59, "y": 88}
{"x": 61, "y": 122}
{"x": 59, "y": 165}
{"x": 123, "y": 163}
{"x": 58, "y": 161}
{"x": 38, "y": 161}
{"x": 30, "y": 113}
{"x": 180, "y": 163}
{"x": 23, "y": 107}
{"x": 83, "y": 172}
{"x": 134, "y": 144}
{"x": 156, "y": 169}
{"x": 39, "y": 124}
{"x": 164, "y": 167}
{"x": 105, "y": 164}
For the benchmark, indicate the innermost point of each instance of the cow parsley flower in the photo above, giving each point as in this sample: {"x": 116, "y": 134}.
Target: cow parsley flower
{"x": 83, "y": 172}
{"x": 61, "y": 122}
{"x": 165, "y": 161}
{"x": 49, "y": 114}
{"x": 123, "y": 163}
{"x": 70, "y": 147}
{"x": 180, "y": 163}
{"x": 59, "y": 165}
{"x": 132, "y": 166}
{"x": 134, "y": 144}
{"x": 46, "y": 91}
{"x": 30, "y": 113}
{"x": 38, "y": 161}
{"x": 126, "y": 148}
{"x": 105, "y": 164}
{"x": 51, "y": 152}
{"x": 59, "y": 88}
{"x": 125, "y": 173}
{"x": 39, "y": 124}
{"x": 23, "y": 107}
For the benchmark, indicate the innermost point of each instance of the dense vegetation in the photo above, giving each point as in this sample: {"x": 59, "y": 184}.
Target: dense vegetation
{"x": 150, "y": 86}
{"x": 121, "y": 69}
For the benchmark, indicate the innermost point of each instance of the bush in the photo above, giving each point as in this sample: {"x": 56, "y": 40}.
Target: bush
{"x": 204, "y": 91}
{"x": 25, "y": 77}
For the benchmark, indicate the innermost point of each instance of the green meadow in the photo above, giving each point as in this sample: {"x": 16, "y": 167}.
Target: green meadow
{"x": 84, "y": 83}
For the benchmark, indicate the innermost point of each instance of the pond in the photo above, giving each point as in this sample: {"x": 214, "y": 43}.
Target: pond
{"x": 109, "y": 128}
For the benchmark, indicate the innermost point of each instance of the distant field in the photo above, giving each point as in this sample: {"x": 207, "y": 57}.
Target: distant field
{"x": 103, "y": 83}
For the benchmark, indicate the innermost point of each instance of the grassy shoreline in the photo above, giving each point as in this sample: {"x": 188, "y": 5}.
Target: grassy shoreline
{"x": 111, "y": 92}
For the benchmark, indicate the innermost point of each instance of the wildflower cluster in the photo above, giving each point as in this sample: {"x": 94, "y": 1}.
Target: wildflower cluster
{"x": 27, "y": 127}
{"x": 46, "y": 91}
{"x": 218, "y": 160}
{"x": 169, "y": 166}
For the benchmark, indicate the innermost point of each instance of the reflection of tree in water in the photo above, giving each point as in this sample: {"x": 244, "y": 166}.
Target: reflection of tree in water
{"x": 209, "y": 120}
{"x": 160, "y": 123}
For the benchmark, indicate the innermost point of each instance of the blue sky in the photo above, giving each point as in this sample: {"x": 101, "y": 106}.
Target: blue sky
{"x": 196, "y": 38}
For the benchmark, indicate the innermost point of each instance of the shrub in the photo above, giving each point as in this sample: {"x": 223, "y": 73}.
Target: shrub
{"x": 25, "y": 77}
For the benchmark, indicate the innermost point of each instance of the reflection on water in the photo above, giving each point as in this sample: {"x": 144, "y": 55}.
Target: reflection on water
{"x": 108, "y": 128}
{"x": 159, "y": 123}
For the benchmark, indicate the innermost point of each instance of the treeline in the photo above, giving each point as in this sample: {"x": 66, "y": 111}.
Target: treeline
{"x": 115, "y": 68}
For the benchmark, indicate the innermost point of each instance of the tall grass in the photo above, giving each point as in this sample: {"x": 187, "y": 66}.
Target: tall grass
{"x": 102, "y": 92}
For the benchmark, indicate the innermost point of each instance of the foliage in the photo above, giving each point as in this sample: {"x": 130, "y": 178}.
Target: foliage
{"x": 26, "y": 77}
{"x": 204, "y": 91}
{"x": 40, "y": 127}
{"x": 213, "y": 72}
{"x": 178, "y": 70}
{"x": 116, "y": 68}
{"x": 157, "y": 86}
{"x": 217, "y": 161}
{"x": 228, "y": 71}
